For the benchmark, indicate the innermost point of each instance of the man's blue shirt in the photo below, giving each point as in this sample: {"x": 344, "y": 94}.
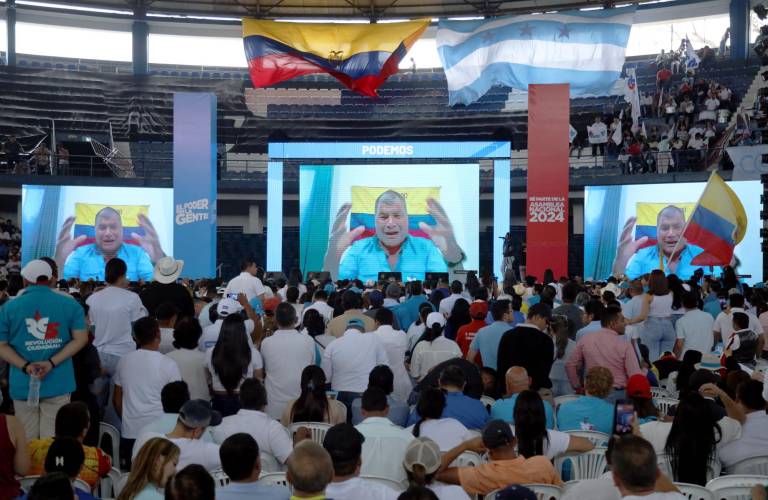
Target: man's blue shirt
{"x": 366, "y": 258}
{"x": 86, "y": 262}
{"x": 407, "y": 312}
{"x": 468, "y": 411}
{"x": 505, "y": 410}
{"x": 647, "y": 259}
{"x": 38, "y": 324}
{"x": 587, "y": 413}
{"x": 486, "y": 342}
{"x": 593, "y": 326}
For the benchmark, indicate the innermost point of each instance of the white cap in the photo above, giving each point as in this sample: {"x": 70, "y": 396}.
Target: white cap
{"x": 435, "y": 317}
{"x": 228, "y": 306}
{"x": 167, "y": 270}
{"x": 35, "y": 269}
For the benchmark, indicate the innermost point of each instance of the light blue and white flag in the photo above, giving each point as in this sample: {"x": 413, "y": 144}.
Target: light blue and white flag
{"x": 690, "y": 58}
{"x": 585, "y": 49}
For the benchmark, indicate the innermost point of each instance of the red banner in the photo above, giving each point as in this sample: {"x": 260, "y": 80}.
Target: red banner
{"x": 547, "y": 206}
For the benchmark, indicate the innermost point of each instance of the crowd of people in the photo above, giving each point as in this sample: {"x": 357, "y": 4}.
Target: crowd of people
{"x": 40, "y": 159}
{"x": 207, "y": 379}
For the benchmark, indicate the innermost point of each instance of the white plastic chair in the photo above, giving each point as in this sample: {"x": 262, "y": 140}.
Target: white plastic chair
{"x": 113, "y": 434}
{"x": 109, "y": 482}
{"x": 491, "y": 495}
{"x": 269, "y": 462}
{"x": 735, "y": 487}
{"x": 587, "y": 465}
{"x": 671, "y": 386}
{"x": 487, "y": 402}
{"x": 665, "y": 466}
{"x": 317, "y": 429}
{"x": 596, "y": 437}
{"x": 694, "y": 491}
{"x": 220, "y": 477}
{"x": 659, "y": 392}
{"x": 570, "y": 484}
{"x": 664, "y": 404}
{"x": 564, "y": 399}
{"x": 467, "y": 459}
{"x": 395, "y": 485}
{"x": 79, "y": 483}
{"x": 545, "y": 491}
{"x": 274, "y": 478}
{"x": 753, "y": 465}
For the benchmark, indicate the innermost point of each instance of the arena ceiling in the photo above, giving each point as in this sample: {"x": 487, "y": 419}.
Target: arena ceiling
{"x": 359, "y": 9}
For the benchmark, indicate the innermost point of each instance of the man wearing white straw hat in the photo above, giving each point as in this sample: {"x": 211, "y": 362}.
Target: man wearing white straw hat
{"x": 164, "y": 288}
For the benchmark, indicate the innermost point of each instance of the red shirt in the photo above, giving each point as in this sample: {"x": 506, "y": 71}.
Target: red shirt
{"x": 635, "y": 149}
{"x": 467, "y": 333}
{"x": 663, "y": 74}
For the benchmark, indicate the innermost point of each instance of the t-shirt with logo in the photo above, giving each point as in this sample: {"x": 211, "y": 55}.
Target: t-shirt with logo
{"x": 38, "y": 325}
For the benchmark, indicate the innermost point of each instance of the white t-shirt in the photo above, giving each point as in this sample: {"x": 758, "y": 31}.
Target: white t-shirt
{"x": 658, "y": 432}
{"x": 286, "y": 353}
{"x": 448, "y": 491}
{"x": 601, "y": 488}
{"x": 670, "y": 495}
{"x": 166, "y": 340}
{"x": 142, "y": 374}
{"x": 427, "y": 355}
{"x": 357, "y": 487}
{"x": 557, "y": 444}
{"x": 448, "y": 433}
{"x": 245, "y": 283}
{"x": 211, "y": 334}
{"x": 712, "y": 104}
{"x": 255, "y": 364}
{"x": 191, "y": 363}
{"x": 446, "y": 305}
{"x": 661, "y": 306}
{"x": 348, "y": 361}
{"x": 112, "y": 311}
{"x": 630, "y": 310}
{"x": 323, "y": 308}
{"x": 271, "y": 436}
{"x": 193, "y": 451}
{"x": 395, "y": 343}
{"x": 724, "y": 323}
{"x": 415, "y": 331}
{"x": 695, "y": 328}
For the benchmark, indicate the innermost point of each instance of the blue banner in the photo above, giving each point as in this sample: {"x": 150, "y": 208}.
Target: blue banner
{"x": 394, "y": 150}
{"x": 194, "y": 183}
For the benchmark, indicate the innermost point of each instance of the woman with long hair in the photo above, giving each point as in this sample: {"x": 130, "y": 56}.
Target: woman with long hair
{"x": 153, "y": 466}
{"x": 229, "y": 362}
{"x": 677, "y": 290}
{"x": 558, "y": 330}
{"x": 692, "y": 440}
{"x": 533, "y": 437}
{"x": 313, "y": 404}
{"x": 314, "y": 326}
{"x": 446, "y": 432}
{"x": 658, "y": 332}
{"x": 458, "y": 318}
{"x": 433, "y": 348}
{"x": 687, "y": 367}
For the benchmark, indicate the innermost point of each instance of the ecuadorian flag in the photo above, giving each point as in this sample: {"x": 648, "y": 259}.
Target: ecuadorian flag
{"x": 363, "y": 210}
{"x": 718, "y": 223}
{"x": 361, "y": 56}
{"x": 647, "y": 213}
{"x": 85, "y": 220}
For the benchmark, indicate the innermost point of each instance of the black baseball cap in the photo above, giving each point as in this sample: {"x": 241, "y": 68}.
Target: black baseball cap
{"x": 344, "y": 443}
{"x": 496, "y": 434}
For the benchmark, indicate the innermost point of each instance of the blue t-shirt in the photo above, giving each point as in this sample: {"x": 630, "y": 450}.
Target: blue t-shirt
{"x": 86, "y": 262}
{"x": 713, "y": 307}
{"x": 366, "y": 258}
{"x": 505, "y": 409}
{"x": 587, "y": 413}
{"x": 486, "y": 342}
{"x": 37, "y": 325}
{"x": 407, "y": 312}
{"x": 647, "y": 260}
{"x": 593, "y": 326}
{"x": 468, "y": 411}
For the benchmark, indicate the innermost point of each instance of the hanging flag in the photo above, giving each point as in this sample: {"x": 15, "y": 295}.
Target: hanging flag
{"x": 572, "y": 133}
{"x": 361, "y": 56}
{"x": 717, "y": 225}
{"x": 642, "y": 131}
{"x": 618, "y": 136}
{"x": 632, "y": 96}
{"x": 690, "y": 58}
{"x": 585, "y": 49}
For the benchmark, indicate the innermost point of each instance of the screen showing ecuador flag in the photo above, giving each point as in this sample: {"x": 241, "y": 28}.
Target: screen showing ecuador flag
{"x": 633, "y": 229}
{"x": 359, "y": 220}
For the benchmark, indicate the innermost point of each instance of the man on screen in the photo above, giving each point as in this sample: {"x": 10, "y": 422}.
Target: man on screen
{"x": 634, "y": 261}
{"x": 88, "y": 261}
{"x": 392, "y": 249}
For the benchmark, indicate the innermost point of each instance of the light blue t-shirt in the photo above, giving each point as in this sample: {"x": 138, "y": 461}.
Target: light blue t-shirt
{"x": 593, "y": 326}
{"x": 505, "y": 410}
{"x": 150, "y": 492}
{"x": 647, "y": 260}
{"x": 366, "y": 258}
{"x": 86, "y": 262}
{"x": 487, "y": 340}
{"x": 587, "y": 413}
{"x": 37, "y": 325}
{"x": 238, "y": 491}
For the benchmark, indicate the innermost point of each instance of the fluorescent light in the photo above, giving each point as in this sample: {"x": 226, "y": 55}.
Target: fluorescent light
{"x": 190, "y": 16}
{"x": 51, "y": 5}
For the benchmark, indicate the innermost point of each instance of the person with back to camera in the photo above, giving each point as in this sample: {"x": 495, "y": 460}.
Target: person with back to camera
{"x": 634, "y": 261}
{"x": 87, "y": 261}
{"x": 392, "y": 248}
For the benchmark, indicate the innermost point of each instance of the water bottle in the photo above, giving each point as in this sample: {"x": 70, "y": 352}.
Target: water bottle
{"x": 33, "y": 396}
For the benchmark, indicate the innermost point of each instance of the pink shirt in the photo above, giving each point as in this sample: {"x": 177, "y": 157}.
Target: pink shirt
{"x": 603, "y": 348}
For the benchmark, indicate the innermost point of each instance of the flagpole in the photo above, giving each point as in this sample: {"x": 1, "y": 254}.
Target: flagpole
{"x": 672, "y": 255}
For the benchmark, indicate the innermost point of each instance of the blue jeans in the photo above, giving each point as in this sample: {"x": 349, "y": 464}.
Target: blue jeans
{"x": 658, "y": 335}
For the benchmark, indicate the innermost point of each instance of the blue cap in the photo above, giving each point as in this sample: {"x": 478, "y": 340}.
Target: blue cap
{"x": 356, "y": 323}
